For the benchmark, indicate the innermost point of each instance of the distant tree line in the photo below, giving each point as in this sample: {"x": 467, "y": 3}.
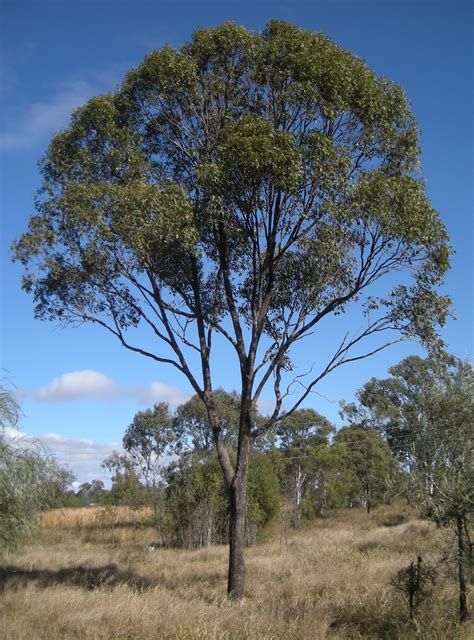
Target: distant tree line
{"x": 304, "y": 470}
{"x": 408, "y": 437}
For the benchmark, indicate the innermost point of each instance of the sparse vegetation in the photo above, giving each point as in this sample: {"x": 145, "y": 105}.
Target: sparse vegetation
{"x": 331, "y": 580}
{"x": 416, "y": 581}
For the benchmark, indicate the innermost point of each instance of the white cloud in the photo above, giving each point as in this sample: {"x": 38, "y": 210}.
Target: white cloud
{"x": 160, "y": 392}
{"x": 92, "y": 385}
{"x": 41, "y": 119}
{"x": 82, "y": 456}
{"x": 16, "y": 437}
{"x": 79, "y": 385}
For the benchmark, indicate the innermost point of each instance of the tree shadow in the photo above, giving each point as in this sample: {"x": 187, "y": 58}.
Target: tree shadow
{"x": 90, "y": 578}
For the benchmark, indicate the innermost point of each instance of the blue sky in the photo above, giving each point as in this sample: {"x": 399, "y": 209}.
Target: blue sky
{"x": 78, "y": 388}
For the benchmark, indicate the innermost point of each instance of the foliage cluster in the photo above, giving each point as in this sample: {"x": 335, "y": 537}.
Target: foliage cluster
{"x": 30, "y": 478}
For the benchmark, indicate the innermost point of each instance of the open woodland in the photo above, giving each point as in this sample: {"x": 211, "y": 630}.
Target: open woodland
{"x": 231, "y": 198}
{"x": 329, "y": 580}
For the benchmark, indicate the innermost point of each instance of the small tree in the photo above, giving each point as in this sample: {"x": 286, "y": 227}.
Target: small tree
{"x": 416, "y": 581}
{"x": 147, "y": 439}
{"x": 369, "y": 460}
{"x": 298, "y": 434}
{"x": 30, "y": 479}
{"x": 426, "y": 409}
{"x": 196, "y": 501}
{"x": 242, "y": 188}
{"x": 196, "y": 507}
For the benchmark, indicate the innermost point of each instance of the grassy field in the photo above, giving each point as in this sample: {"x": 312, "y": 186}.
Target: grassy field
{"x": 84, "y": 578}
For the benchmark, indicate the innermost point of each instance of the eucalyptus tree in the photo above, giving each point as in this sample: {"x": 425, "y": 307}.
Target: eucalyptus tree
{"x": 303, "y": 430}
{"x": 231, "y": 196}
{"x": 147, "y": 438}
{"x": 406, "y": 408}
{"x": 192, "y": 429}
{"x": 370, "y": 462}
{"x": 426, "y": 411}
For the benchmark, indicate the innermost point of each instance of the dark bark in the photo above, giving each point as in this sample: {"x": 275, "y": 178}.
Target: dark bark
{"x": 463, "y": 610}
{"x": 236, "y": 482}
{"x": 238, "y": 520}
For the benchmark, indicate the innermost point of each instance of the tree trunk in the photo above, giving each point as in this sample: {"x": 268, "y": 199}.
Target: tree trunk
{"x": 238, "y": 519}
{"x": 463, "y": 611}
{"x": 299, "y": 479}
{"x": 209, "y": 530}
{"x": 236, "y": 483}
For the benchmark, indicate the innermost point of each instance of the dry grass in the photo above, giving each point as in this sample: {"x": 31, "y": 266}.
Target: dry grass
{"x": 330, "y": 581}
{"x": 97, "y": 525}
{"x": 91, "y": 516}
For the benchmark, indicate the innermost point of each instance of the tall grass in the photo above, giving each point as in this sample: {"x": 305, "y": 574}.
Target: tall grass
{"x": 91, "y": 516}
{"x": 331, "y": 580}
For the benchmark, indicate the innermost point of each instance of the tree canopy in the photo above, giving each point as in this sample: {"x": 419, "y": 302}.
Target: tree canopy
{"x": 267, "y": 179}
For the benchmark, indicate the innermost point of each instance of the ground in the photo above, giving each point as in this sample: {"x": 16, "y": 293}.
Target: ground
{"x": 82, "y": 578}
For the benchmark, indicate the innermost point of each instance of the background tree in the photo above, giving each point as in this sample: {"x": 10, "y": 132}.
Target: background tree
{"x": 369, "y": 460}
{"x": 147, "y": 439}
{"x": 241, "y": 188}
{"x": 407, "y": 408}
{"x": 403, "y": 409}
{"x": 30, "y": 478}
{"x": 191, "y": 425}
{"x": 196, "y": 507}
{"x": 126, "y": 488}
{"x": 91, "y": 492}
{"x": 330, "y": 483}
{"x": 298, "y": 434}
{"x": 452, "y": 499}
{"x": 426, "y": 410}
{"x": 189, "y": 496}
{"x": 195, "y": 501}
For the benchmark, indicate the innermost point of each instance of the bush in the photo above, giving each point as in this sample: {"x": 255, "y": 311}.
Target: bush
{"x": 30, "y": 480}
{"x": 196, "y": 511}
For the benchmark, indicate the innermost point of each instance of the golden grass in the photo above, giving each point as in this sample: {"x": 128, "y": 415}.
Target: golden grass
{"x": 87, "y": 516}
{"x": 330, "y": 581}
{"x": 97, "y": 525}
